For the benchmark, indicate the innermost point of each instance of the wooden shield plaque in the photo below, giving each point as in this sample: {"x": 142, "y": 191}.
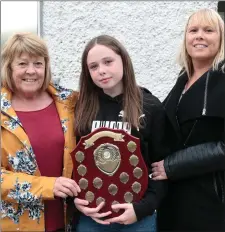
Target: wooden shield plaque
{"x": 108, "y": 166}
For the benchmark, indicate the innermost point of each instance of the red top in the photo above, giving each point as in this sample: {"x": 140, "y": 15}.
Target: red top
{"x": 45, "y": 133}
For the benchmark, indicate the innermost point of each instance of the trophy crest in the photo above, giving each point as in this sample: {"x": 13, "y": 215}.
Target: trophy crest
{"x": 108, "y": 166}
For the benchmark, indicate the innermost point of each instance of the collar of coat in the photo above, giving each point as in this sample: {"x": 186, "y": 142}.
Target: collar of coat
{"x": 58, "y": 93}
{"x": 201, "y": 95}
{"x": 64, "y": 99}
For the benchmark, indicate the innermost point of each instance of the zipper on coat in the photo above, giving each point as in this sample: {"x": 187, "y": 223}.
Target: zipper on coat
{"x": 205, "y": 94}
{"x": 220, "y": 194}
{"x": 203, "y": 110}
{"x": 215, "y": 185}
{"x": 222, "y": 188}
{"x": 177, "y": 121}
{"x": 191, "y": 131}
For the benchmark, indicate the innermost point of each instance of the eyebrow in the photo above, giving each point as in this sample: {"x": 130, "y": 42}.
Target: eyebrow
{"x": 21, "y": 58}
{"x": 104, "y": 58}
{"x": 202, "y": 26}
{"x": 107, "y": 57}
{"x": 26, "y": 59}
{"x": 91, "y": 63}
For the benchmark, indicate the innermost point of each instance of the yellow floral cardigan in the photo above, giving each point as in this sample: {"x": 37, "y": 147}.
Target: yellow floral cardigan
{"x": 23, "y": 189}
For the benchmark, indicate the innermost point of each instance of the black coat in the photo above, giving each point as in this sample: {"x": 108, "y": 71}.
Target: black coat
{"x": 195, "y": 200}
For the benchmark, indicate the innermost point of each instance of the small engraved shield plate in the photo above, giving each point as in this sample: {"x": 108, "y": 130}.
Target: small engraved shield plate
{"x": 83, "y": 183}
{"x": 134, "y": 160}
{"x": 137, "y": 172}
{"x": 114, "y": 203}
{"x": 89, "y": 196}
{"x": 79, "y": 156}
{"x": 132, "y": 146}
{"x": 97, "y": 182}
{"x": 136, "y": 187}
{"x": 99, "y": 200}
{"x": 113, "y": 189}
{"x": 82, "y": 170}
{"x": 128, "y": 197}
{"x": 124, "y": 177}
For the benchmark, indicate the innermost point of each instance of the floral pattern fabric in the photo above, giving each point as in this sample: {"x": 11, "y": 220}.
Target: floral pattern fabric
{"x": 23, "y": 189}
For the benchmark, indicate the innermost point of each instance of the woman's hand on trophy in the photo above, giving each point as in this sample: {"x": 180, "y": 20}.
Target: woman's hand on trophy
{"x": 82, "y": 206}
{"x": 128, "y": 217}
{"x": 65, "y": 187}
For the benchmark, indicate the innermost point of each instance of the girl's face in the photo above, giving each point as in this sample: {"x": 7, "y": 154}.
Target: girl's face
{"x": 106, "y": 69}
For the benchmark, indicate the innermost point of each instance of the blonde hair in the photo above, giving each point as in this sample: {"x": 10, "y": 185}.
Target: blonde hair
{"x": 23, "y": 43}
{"x": 212, "y": 18}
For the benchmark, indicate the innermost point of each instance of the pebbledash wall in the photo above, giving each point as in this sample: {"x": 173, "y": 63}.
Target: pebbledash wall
{"x": 151, "y": 32}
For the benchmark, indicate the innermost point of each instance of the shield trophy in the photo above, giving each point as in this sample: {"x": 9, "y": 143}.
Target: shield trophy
{"x": 109, "y": 167}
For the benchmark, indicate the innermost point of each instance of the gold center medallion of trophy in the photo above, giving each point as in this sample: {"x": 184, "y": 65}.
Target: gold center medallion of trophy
{"x": 107, "y": 158}
{"x": 106, "y": 154}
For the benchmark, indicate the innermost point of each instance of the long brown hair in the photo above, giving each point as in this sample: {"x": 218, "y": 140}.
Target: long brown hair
{"x": 88, "y": 104}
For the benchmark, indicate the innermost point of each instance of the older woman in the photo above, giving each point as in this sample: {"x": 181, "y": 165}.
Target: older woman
{"x": 196, "y": 107}
{"x": 37, "y": 138}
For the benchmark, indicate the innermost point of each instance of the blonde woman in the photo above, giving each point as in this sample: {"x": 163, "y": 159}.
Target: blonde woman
{"x": 196, "y": 107}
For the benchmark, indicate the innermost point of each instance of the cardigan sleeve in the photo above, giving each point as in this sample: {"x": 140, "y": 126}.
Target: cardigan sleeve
{"x": 24, "y": 188}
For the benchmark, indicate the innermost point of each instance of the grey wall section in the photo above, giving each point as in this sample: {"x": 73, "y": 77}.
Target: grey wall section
{"x": 151, "y": 31}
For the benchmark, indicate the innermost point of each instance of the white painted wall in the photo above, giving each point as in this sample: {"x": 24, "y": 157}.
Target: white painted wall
{"x": 151, "y": 31}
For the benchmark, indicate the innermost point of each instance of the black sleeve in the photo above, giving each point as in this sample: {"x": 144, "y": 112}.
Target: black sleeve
{"x": 158, "y": 149}
{"x": 195, "y": 160}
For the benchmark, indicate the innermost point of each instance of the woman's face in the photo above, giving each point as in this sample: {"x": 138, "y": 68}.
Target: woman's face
{"x": 28, "y": 74}
{"x": 202, "y": 41}
{"x": 106, "y": 69}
